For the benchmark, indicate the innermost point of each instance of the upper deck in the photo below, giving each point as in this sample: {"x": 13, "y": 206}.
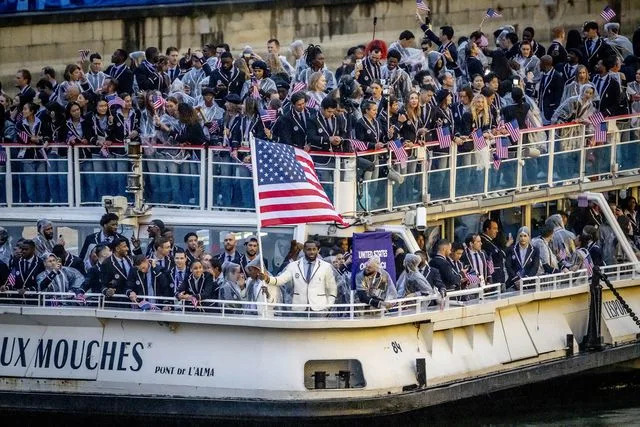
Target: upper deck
{"x": 546, "y": 162}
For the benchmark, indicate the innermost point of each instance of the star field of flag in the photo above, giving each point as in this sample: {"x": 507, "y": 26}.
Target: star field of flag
{"x": 277, "y": 164}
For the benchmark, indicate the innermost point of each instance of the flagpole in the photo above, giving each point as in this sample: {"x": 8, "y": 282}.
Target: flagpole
{"x": 254, "y": 179}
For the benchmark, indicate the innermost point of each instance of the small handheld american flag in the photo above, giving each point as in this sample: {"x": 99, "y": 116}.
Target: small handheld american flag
{"x": 84, "y": 54}
{"x": 194, "y": 300}
{"x": 117, "y": 101}
{"x": 312, "y": 103}
{"x": 608, "y": 13}
{"x": 145, "y": 305}
{"x": 24, "y": 136}
{"x": 502, "y": 148}
{"x": 421, "y": 6}
{"x": 298, "y": 87}
{"x": 11, "y": 280}
{"x": 562, "y": 254}
{"x": 491, "y": 13}
{"x": 478, "y": 140}
{"x": 588, "y": 264}
{"x": 444, "y": 136}
{"x": 514, "y": 130}
{"x": 268, "y": 116}
{"x": 358, "y": 145}
{"x": 490, "y": 267}
{"x": 158, "y": 102}
{"x": 600, "y": 127}
{"x": 398, "y": 149}
{"x": 496, "y": 161}
{"x": 255, "y": 91}
{"x": 214, "y": 126}
{"x": 473, "y": 278}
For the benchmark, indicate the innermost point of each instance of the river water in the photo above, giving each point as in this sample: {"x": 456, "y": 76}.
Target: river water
{"x": 604, "y": 400}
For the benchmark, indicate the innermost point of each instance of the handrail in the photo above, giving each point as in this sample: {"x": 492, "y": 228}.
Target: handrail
{"x": 345, "y": 312}
{"x": 431, "y": 176}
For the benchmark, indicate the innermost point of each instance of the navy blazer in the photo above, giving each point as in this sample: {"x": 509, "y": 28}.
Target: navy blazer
{"x": 451, "y": 279}
{"x": 519, "y": 268}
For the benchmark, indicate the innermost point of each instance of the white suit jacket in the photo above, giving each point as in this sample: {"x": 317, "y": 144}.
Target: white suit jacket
{"x": 321, "y": 290}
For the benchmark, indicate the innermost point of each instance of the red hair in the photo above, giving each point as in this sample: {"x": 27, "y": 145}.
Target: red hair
{"x": 377, "y": 45}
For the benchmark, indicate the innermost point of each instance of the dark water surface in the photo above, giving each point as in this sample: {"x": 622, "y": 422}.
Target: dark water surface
{"x": 603, "y": 400}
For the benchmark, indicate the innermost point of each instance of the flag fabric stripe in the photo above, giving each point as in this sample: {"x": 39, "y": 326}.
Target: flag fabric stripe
{"x": 608, "y": 13}
{"x": 502, "y": 148}
{"x": 422, "y": 6}
{"x": 491, "y": 13}
{"x": 444, "y": 136}
{"x": 358, "y": 145}
{"x": 514, "y": 130}
{"x": 496, "y": 162}
{"x": 600, "y": 127}
{"x": 24, "y": 136}
{"x": 284, "y": 172}
{"x": 478, "y": 140}
{"x": 399, "y": 151}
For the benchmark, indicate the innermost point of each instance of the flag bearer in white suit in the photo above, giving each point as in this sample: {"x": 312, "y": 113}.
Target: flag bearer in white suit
{"x": 313, "y": 281}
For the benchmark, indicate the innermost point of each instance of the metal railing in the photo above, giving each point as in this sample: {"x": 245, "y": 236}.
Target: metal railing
{"x": 280, "y": 311}
{"x": 210, "y": 178}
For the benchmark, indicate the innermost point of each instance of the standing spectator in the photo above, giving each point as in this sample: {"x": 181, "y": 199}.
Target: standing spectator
{"x": 108, "y": 234}
{"x": 115, "y": 269}
{"x": 441, "y": 262}
{"x": 230, "y": 254}
{"x": 621, "y": 45}
{"x": 95, "y": 76}
{"x": 607, "y": 87}
{"x": 494, "y": 250}
{"x": 556, "y": 49}
{"x": 313, "y": 280}
{"x": 26, "y": 267}
{"x": 57, "y": 278}
{"x": 146, "y": 75}
{"x": 173, "y": 70}
{"x": 120, "y": 72}
{"x": 45, "y": 240}
{"x": 26, "y": 93}
{"x": 522, "y": 260}
{"x": 68, "y": 259}
{"x": 475, "y": 258}
{"x": 146, "y": 279}
{"x": 273, "y": 47}
{"x": 74, "y": 77}
{"x": 226, "y": 79}
{"x": 594, "y": 48}
{"x": 33, "y": 164}
{"x": 573, "y": 87}
{"x": 548, "y": 261}
{"x": 199, "y": 284}
{"x": 549, "y": 90}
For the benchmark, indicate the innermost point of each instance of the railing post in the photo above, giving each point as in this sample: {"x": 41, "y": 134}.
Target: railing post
{"x": 614, "y": 145}
{"x": 210, "y": 201}
{"x": 76, "y": 177}
{"x": 336, "y": 177}
{"x": 202, "y": 179}
{"x": 519, "y": 163}
{"x": 8, "y": 183}
{"x": 389, "y": 184}
{"x": 453, "y": 157}
{"x": 583, "y": 153}
{"x": 425, "y": 174}
{"x": 70, "y": 175}
{"x": 551, "y": 153}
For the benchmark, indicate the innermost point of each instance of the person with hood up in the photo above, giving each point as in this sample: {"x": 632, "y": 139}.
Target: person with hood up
{"x": 234, "y": 287}
{"x": 44, "y": 240}
{"x": 374, "y": 285}
{"x": 562, "y": 242}
{"x": 523, "y": 260}
{"x": 5, "y": 246}
{"x": 412, "y": 282}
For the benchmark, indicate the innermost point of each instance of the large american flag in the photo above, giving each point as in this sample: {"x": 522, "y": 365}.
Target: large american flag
{"x": 513, "y": 129}
{"x": 478, "y": 140}
{"x": 444, "y": 136}
{"x": 608, "y": 13}
{"x": 289, "y": 191}
{"x": 398, "y": 149}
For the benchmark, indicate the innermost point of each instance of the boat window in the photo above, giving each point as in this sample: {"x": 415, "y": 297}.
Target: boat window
{"x": 333, "y": 374}
{"x": 467, "y": 224}
{"x": 539, "y": 214}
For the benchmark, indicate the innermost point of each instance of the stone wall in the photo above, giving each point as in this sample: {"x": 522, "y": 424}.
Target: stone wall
{"x": 35, "y": 41}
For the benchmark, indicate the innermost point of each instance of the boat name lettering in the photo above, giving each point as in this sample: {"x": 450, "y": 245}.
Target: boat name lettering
{"x": 71, "y": 354}
{"x": 614, "y": 309}
{"x": 191, "y": 371}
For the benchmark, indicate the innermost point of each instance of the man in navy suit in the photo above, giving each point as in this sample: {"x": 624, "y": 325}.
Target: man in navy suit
{"x": 607, "y": 87}
{"x": 230, "y": 254}
{"x": 108, "y": 234}
{"x": 594, "y": 48}
{"x": 440, "y": 262}
{"x": 550, "y": 89}
{"x": 523, "y": 260}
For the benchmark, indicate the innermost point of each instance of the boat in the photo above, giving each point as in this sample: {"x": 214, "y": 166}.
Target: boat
{"x": 233, "y": 359}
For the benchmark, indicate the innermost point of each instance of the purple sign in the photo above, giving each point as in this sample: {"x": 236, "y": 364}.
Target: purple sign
{"x": 367, "y": 245}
